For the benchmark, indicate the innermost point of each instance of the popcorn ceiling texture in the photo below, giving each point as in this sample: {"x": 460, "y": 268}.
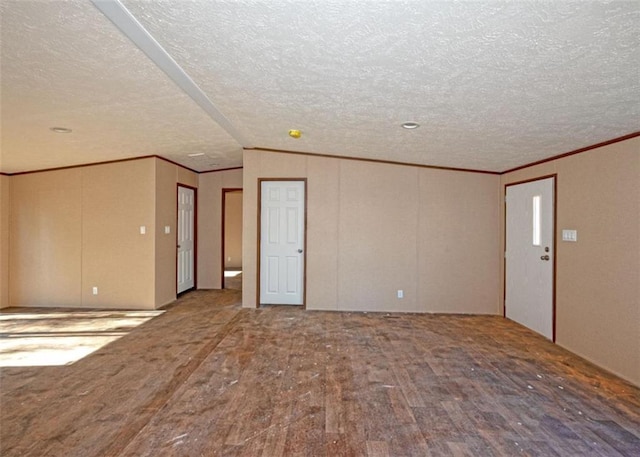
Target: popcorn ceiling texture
{"x": 494, "y": 85}
{"x": 64, "y": 64}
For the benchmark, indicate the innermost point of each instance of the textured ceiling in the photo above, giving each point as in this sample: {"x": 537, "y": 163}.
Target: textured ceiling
{"x": 494, "y": 85}
{"x": 64, "y": 64}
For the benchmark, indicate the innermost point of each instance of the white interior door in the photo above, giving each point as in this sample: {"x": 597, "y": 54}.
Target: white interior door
{"x": 186, "y": 239}
{"x": 282, "y": 242}
{"x": 529, "y": 255}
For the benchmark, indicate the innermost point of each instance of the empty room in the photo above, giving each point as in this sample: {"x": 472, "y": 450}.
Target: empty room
{"x": 312, "y": 228}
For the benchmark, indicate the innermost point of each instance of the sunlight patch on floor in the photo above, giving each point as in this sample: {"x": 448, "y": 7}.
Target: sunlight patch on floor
{"x": 62, "y": 338}
{"x": 232, "y": 274}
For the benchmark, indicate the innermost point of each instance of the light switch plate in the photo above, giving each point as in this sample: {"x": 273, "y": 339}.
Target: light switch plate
{"x": 570, "y": 235}
{"x": 143, "y": 230}
{"x": 167, "y": 229}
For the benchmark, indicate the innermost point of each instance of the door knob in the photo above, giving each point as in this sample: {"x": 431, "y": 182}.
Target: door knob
{"x": 544, "y": 257}
{"x": 299, "y": 251}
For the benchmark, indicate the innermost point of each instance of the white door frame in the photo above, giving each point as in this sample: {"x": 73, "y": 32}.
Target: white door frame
{"x": 195, "y": 235}
{"x": 304, "y": 253}
{"x": 555, "y": 246}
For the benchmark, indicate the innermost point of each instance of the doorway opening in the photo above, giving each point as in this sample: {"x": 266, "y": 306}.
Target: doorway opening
{"x": 231, "y": 245}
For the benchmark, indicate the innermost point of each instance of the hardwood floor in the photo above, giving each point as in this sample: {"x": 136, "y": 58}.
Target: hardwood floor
{"x": 209, "y": 378}
{"x": 233, "y": 282}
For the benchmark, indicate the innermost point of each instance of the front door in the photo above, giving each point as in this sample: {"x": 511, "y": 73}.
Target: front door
{"x": 529, "y": 256}
{"x": 282, "y": 238}
{"x": 186, "y": 239}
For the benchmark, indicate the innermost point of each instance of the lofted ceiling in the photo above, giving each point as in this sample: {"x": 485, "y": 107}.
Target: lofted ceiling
{"x": 494, "y": 85}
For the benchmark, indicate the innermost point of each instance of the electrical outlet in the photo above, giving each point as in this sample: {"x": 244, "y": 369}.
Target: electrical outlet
{"x": 228, "y": 259}
{"x": 400, "y": 293}
{"x": 95, "y": 290}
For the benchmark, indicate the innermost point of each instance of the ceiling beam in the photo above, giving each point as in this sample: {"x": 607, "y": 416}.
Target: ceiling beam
{"x": 122, "y": 18}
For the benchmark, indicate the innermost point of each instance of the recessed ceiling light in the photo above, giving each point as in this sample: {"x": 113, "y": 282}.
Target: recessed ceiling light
{"x": 410, "y": 125}
{"x": 60, "y": 130}
{"x": 196, "y": 154}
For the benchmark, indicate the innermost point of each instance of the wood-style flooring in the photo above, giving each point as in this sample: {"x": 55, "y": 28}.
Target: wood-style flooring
{"x": 233, "y": 282}
{"x": 207, "y": 378}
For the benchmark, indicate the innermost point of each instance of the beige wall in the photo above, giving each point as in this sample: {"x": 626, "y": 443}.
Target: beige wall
{"x": 598, "y": 278}
{"x": 375, "y": 228}
{"x": 75, "y": 229}
{"x": 4, "y": 241}
{"x": 168, "y": 176}
{"x": 185, "y": 177}
{"x": 165, "y": 244}
{"x": 233, "y": 230}
{"x": 45, "y": 246}
{"x": 117, "y": 199}
{"x": 210, "y": 187}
